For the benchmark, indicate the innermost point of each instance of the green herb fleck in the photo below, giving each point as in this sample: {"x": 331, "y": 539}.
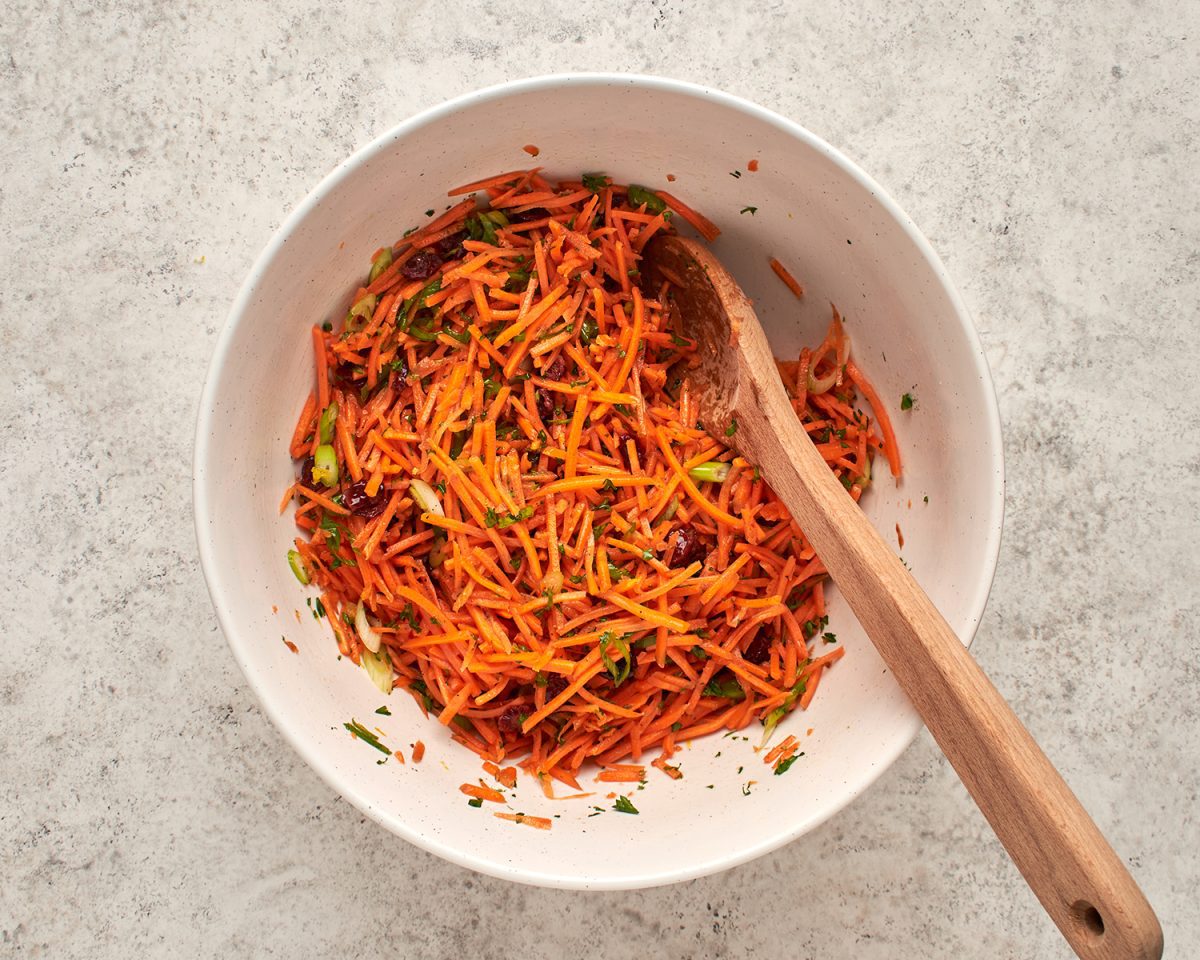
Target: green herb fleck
{"x": 624, "y": 806}
{"x": 726, "y": 687}
{"x": 475, "y": 802}
{"x": 731, "y": 429}
{"x": 384, "y": 712}
{"x": 639, "y": 196}
{"x": 907, "y": 402}
{"x": 749, "y": 210}
{"x": 783, "y": 766}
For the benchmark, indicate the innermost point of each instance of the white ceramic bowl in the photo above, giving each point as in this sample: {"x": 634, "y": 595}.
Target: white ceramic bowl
{"x": 842, "y": 237}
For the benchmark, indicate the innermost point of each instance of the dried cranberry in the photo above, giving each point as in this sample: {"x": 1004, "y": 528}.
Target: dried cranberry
{"x": 510, "y": 721}
{"x": 759, "y": 650}
{"x": 343, "y": 376}
{"x": 399, "y": 371}
{"x": 556, "y": 684}
{"x": 545, "y": 403}
{"x": 422, "y": 265}
{"x": 450, "y": 246}
{"x": 306, "y": 472}
{"x": 535, "y": 213}
{"x": 557, "y": 370}
{"x": 359, "y": 503}
{"x": 686, "y": 547}
{"x": 624, "y": 439}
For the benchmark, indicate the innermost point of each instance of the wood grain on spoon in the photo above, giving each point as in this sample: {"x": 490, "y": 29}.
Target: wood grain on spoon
{"x": 1080, "y": 881}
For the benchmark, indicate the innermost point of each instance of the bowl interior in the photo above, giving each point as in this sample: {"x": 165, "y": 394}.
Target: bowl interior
{"x": 846, "y": 244}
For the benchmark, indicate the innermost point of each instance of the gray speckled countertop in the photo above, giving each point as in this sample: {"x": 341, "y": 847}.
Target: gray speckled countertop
{"x": 148, "y": 151}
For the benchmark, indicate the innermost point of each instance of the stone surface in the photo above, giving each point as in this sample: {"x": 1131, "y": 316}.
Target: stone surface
{"x": 148, "y": 150}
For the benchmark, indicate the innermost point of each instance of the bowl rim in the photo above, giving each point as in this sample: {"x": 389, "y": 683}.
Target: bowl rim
{"x": 276, "y": 707}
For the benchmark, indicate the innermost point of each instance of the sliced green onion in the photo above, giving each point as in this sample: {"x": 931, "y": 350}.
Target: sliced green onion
{"x": 425, "y": 496}
{"x": 424, "y": 334}
{"x": 325, "y": 424}
{"x": 325, "y": 468}
{"x": 669, "y": 510}
{"x": 714, "y": 471}
{"x": 417, "y": 301}
{"x": 366, "y": 633}
{"x": 824, "y": 384}
{"x": 439, "y": 552}
{"x": 640, "y": 195}
{"x": 618, "y": 672}
{"x": 366, "y": 736}
{"x": 379, "y": 264}
{"x": 773, "y": 718}
{"x": 360, "y": 314}
{"x": 379, "y": 669}
{"x": 297, "y": 566}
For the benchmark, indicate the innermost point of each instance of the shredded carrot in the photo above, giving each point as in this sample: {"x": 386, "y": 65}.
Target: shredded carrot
{"x": 541, "y": 823}
{"x": 622, "y": 774}
{"x": 705, "y": 227}
{"x": 481, "y": 792}
{"x": 783, "y": 274}
{"x": 890, "y": 448}
{"x": 578, "y": 594}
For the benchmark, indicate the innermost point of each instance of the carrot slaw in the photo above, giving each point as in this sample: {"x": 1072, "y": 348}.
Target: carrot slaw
{"x": 511, "y": 511}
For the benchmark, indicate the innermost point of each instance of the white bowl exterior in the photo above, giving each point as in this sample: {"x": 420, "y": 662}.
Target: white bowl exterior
{"x": 845, "y": 241}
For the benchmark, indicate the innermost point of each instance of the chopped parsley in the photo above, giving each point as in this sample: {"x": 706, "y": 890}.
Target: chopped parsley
{"x": 384, "y": 711}
{"x": 725, "y": 686}
{"x": 731, "y": 429}
{"x": 624, "y": 806}
{"x": 907, "y": 402}
{"x": 639, "y": 196}
{"x": 475, "y": 802}
{"x": 594, "y": 182}
{"x": 783, "y": 766}
{"x": 749, "y": 210}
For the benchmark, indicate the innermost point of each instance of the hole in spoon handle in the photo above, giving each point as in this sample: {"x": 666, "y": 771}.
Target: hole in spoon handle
{"x": 1089, "y": 920}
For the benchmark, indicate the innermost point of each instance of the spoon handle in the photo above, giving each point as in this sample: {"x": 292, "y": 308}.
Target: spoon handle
{"x": 1063, "y": 856}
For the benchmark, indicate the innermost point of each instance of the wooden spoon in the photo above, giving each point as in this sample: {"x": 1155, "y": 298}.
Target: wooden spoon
{"x": 1065, "y": 859}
